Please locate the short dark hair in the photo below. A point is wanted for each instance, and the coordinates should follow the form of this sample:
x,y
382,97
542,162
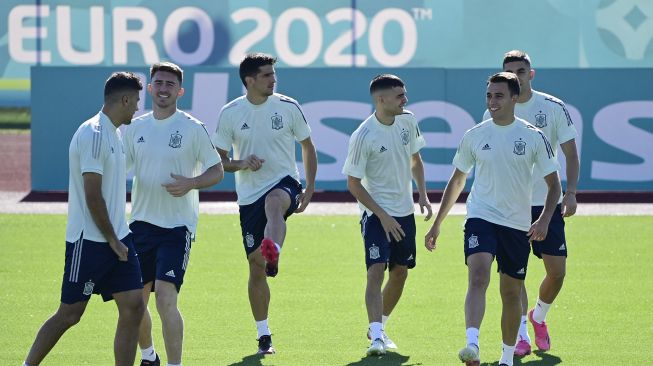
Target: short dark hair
x,y
515,56
121,81
249,66
167,67
385,81
509,78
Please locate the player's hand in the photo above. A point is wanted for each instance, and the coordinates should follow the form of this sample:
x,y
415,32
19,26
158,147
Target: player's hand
x,y
252,163
569,205
431,237
391,228
538,230
120,249
425,204
179,186
305,199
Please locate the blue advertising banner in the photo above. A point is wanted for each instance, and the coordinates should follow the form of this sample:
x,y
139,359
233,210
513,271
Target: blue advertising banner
x,y
611,109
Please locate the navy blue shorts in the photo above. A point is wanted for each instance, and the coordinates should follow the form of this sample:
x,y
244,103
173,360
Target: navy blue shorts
x,y
252,216
162,252
554,244
379,250
510,246
93,268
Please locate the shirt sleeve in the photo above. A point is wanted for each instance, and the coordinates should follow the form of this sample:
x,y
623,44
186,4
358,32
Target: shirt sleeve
x,y
223,136
300,126
545,161
206,153
564,125
417,140
92,151
464,159
357,154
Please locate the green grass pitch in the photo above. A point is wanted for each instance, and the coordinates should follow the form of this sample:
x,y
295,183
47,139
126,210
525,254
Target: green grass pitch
x,y
602,316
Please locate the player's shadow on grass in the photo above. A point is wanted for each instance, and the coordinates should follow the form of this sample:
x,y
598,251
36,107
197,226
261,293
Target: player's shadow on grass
x,y
538,359
251,360
389,359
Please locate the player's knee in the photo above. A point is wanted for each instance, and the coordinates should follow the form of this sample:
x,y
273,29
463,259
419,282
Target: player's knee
x,y
165,303
557,275
479,278
276,201
68,318
511,294
375,274
399,273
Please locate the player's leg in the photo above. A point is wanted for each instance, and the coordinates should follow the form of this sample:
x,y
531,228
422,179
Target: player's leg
x,y
523,346
513,251
51,331
172,322
145,244
374,305
510,289
130,313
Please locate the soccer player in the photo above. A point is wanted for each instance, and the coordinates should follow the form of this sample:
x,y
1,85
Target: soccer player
x,y
172,157
382,160
550,115
262,127
100,255
504,150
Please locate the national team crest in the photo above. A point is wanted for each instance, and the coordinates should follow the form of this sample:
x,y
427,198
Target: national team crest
x,y
175,140
374,252
277,122
472,241
520,148
88,288
249,240
405,136
540,120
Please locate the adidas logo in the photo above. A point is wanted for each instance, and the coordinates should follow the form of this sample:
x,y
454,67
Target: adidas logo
x,y
244,126
410,258
170,273
562,247
486,147
140,139
383,149
521,271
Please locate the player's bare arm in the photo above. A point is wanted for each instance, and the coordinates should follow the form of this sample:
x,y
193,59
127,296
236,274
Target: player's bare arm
x,y
182,185
569,205
98,209
390,225
451,192
417,169
230,165
540,227
309,158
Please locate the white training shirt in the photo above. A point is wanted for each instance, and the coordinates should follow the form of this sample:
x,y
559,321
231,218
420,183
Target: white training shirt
x,y
504,157
179,144
269,131
381,156
96,147
550,115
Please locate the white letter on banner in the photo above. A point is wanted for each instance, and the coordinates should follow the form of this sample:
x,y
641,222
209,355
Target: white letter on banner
x,y
459,121
95,54
335,53
17,33
408,43
143,36
328,140
171,35
262,29
283,38
611,125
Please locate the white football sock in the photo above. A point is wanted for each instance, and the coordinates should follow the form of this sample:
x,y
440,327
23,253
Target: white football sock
x,y
384,319
523,329
278,247
539,313
376,330
148,354
262,328
472,336
507,354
